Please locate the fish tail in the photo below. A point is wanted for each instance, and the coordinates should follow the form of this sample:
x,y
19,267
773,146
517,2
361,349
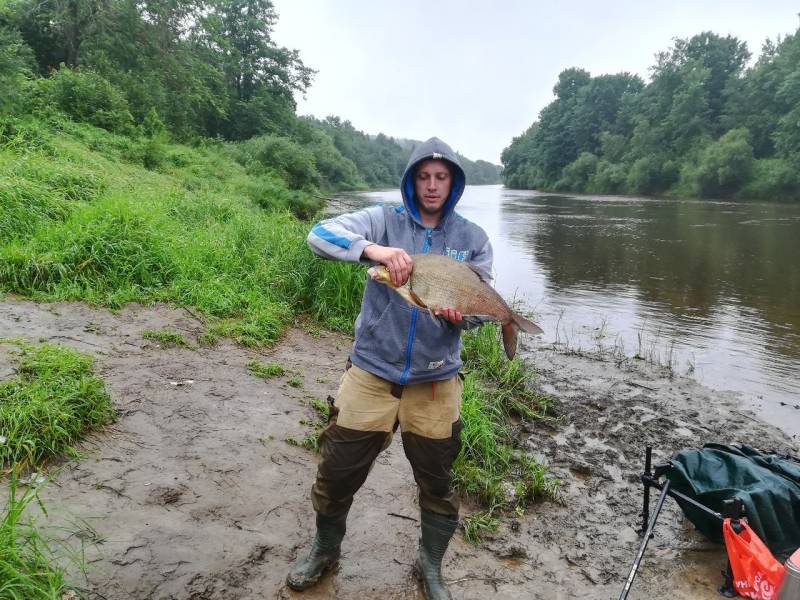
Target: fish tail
x,y
510,330
526,325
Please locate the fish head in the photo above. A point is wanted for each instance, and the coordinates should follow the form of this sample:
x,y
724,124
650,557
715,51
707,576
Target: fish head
x,y
380,274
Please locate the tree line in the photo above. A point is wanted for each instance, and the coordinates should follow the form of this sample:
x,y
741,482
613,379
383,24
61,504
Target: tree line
x,y
705,125
188,70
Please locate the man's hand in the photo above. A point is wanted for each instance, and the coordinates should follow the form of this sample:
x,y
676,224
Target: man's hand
x,y
450,314
396,260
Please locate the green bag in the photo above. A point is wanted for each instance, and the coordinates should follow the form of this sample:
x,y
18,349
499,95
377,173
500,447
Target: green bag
x,y
767,484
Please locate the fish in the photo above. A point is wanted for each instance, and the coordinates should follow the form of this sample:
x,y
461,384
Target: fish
x,y
438,282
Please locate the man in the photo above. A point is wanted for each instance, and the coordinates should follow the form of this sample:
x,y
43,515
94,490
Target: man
x,y
403,367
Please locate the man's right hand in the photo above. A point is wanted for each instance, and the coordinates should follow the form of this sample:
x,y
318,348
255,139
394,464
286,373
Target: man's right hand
x,y
396,260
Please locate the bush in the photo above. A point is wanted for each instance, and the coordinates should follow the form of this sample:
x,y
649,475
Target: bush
x,y
270,193
85,96
576,175
725,165
651,175
772,179
16,61
287,159
608,179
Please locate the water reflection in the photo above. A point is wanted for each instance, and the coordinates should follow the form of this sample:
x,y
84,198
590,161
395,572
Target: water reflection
x,y
713,287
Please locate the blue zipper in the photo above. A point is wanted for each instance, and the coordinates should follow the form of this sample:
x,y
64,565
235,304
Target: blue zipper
x,y
426,246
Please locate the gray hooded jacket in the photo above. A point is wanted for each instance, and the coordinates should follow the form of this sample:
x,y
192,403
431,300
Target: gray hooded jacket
x,y
393,339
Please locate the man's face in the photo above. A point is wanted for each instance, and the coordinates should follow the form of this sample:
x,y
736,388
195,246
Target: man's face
x,y
432,181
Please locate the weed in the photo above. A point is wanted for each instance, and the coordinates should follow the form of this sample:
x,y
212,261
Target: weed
x,y
295,382
165,338
207,340
478,525
495,391
266,370
316,423
29,571
54,400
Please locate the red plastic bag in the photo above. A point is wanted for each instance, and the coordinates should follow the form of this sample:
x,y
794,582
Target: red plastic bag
x,y
756,573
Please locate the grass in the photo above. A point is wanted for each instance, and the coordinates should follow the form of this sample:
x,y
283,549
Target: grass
x,y
479,524
165,338
266,370
28,570
106,230
316,423
497,392
53,401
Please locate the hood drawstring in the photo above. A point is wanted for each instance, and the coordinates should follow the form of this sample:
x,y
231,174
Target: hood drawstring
x,y
414,236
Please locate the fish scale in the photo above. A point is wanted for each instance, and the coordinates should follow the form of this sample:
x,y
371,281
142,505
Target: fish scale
x,y
438,281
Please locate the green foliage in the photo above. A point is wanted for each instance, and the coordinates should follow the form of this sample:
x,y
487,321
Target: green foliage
x,y
725,165
54,400
270,193
477,525
495,390
284,157
576,175
699,127
266,370
27,562
24,204
317,423
85,96
773,178
651,175
105,252
165,338
16,62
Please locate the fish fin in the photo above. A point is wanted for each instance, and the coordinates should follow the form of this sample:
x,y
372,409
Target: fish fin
x,y
417,299
482,275
526,325
406,293
510,338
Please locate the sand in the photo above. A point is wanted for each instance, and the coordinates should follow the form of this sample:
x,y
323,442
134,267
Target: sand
x,y
194,492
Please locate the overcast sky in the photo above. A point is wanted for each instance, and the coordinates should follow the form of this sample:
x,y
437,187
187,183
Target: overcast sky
x,y
477,74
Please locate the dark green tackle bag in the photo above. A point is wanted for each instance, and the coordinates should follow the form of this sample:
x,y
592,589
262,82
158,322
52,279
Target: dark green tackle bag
x,y
767,484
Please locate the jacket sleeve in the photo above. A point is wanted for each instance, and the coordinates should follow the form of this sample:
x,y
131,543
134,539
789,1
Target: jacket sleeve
x,y
345,237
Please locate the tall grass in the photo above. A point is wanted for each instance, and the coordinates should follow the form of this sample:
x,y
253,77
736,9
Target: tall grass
x,y
51,403
27,568
497,392
200,231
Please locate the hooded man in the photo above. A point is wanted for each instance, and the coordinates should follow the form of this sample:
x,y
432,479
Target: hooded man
x,y
404,366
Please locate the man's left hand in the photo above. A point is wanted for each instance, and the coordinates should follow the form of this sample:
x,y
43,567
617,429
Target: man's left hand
x,y
449,314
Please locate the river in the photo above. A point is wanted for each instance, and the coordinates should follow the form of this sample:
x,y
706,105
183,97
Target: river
x,y
710,289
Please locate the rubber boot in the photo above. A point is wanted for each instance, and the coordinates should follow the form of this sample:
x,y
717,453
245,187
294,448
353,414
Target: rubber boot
x,y
435,533
325,550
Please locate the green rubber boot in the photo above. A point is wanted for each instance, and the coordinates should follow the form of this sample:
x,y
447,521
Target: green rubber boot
x,y
435,533
325,550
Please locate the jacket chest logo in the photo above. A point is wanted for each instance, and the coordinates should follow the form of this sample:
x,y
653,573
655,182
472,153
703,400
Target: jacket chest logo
x,y
456,254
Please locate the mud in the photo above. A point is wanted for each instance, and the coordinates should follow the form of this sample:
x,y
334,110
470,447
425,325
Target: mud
x,y
195,494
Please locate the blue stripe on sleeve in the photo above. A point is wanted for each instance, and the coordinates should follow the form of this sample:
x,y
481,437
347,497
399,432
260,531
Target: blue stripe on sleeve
x,y
330,237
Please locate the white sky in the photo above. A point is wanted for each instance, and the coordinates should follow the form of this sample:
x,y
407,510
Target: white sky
x,y
477,74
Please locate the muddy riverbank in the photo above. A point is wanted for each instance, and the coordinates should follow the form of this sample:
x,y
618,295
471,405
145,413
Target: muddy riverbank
x,y
194,492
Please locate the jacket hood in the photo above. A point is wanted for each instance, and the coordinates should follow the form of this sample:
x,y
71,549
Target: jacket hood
x,y
436,149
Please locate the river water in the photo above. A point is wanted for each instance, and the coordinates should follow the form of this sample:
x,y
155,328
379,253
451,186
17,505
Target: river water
x,y
711,289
